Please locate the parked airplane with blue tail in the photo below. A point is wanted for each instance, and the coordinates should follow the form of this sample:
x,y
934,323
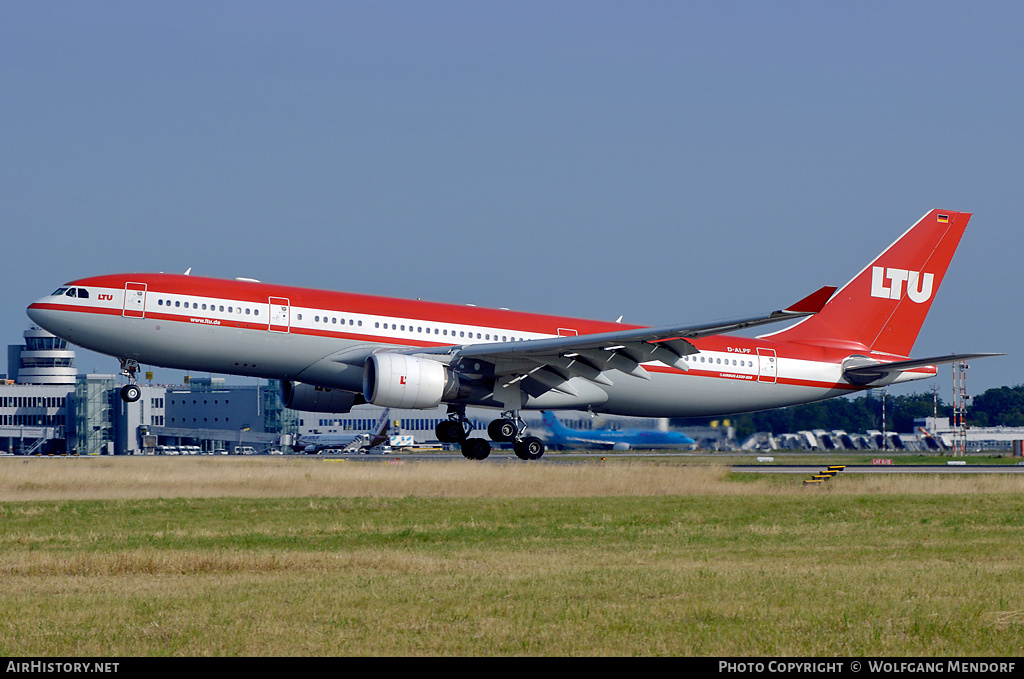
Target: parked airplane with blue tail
x,y
614,439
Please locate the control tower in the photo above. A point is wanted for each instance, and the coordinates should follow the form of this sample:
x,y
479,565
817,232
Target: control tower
x,y
44,359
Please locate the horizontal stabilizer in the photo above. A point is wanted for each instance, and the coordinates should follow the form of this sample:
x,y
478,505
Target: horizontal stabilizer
x,y
877,372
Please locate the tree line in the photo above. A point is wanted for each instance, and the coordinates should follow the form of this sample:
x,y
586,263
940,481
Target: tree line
x,y
1002,406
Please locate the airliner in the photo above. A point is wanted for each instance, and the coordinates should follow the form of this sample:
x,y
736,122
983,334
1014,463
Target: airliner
x,y
314,443
334,350
613,439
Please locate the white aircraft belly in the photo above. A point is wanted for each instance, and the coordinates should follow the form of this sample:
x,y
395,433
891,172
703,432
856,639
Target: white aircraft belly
x,y
687,395
245,351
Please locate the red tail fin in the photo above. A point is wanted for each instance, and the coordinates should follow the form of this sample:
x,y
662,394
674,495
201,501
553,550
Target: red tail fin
x,y
883,307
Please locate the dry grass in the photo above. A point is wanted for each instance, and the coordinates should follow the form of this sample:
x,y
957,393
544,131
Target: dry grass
x,y
124,478
281,557
143,478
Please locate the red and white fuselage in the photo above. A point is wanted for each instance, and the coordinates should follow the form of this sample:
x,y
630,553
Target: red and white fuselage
x,y
363,348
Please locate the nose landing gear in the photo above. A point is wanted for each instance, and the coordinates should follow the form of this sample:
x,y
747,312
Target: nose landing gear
x,y
130,393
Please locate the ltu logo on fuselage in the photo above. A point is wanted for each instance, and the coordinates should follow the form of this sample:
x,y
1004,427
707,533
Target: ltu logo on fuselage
x,y
919,285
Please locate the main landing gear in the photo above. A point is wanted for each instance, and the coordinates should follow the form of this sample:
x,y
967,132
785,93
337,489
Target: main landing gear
x,y
456,430
130,393
508,429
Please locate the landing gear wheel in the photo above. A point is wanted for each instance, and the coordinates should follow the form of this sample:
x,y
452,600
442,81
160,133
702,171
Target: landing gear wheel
x,y
450,431
476,449
502,431
530,448
130,393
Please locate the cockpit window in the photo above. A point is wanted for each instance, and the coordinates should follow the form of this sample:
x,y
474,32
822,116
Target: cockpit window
x,y
58,292
83,293
71,292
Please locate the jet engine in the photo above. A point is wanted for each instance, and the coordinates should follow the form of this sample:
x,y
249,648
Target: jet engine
x,y
299,396
401,381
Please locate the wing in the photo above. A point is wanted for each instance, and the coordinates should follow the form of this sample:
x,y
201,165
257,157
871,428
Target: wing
x,y
552,362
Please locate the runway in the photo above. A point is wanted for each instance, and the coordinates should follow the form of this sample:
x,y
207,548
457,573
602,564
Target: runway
x,y
580,457
586,457
882,469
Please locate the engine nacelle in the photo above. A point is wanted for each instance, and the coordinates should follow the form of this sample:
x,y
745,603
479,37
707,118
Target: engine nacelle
x,y
401,381
299,396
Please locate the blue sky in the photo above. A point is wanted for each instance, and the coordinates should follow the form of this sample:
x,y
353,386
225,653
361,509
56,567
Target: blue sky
x,y
664,161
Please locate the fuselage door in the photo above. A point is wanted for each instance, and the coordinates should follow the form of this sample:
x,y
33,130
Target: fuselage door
x,y
280,314
135,300
768,365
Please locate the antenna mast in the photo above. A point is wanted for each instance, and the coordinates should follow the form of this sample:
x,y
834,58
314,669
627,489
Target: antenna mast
x,y
960,399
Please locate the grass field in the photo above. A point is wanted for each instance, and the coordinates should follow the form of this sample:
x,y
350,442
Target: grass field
x,y
282,556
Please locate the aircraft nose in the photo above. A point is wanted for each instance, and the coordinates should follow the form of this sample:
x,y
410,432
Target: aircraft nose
x,y
37,314
42,316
